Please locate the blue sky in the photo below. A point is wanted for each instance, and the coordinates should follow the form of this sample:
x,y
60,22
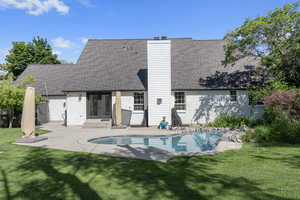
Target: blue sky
x,y
68,23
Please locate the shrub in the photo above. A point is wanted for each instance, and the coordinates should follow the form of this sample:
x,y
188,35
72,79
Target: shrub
x,y
234,122
270,115
12,97
285,100
285,131
260,134
280,132
278,128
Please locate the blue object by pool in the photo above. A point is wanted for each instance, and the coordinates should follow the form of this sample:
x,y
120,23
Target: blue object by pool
x,y
163,125
193,142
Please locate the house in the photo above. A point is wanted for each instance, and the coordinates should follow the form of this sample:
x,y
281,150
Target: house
x,y
146,78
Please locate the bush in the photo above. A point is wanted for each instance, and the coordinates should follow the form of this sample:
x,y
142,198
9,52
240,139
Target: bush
x,y
285,131
270,115
280,132
279,127
285,100
260,134
234,122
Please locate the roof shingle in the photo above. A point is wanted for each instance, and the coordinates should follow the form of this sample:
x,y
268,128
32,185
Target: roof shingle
x,y
122,65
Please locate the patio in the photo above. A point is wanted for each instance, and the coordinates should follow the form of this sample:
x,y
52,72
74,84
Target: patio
x,y
76,139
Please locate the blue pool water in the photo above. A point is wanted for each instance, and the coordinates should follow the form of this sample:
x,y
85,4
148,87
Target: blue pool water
x,y
192,142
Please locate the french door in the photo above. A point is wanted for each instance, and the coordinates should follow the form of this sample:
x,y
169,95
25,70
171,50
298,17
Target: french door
x,y
99,105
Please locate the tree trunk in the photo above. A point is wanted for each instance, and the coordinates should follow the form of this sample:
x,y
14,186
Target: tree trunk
x,y
11,120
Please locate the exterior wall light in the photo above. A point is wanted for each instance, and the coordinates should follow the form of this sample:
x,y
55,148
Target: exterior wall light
x,y
159,101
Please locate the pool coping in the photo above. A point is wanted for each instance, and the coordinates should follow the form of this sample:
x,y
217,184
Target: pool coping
x,y
155,136
76,139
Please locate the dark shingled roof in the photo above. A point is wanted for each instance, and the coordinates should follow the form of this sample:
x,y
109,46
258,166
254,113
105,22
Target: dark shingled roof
x,y
49,79
122,65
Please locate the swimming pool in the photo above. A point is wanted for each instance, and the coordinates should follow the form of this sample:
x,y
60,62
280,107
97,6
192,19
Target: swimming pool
x,y
191,142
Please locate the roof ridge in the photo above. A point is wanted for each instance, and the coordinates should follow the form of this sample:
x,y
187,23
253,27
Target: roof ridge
x,y
211,40
137,39
49,64
34,66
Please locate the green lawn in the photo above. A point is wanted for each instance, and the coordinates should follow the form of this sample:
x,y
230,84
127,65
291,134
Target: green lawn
x,y
266,173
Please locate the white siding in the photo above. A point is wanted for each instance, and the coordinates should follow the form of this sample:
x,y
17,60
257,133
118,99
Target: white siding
x,y
57,106
127,102
159,80
205,106
76,108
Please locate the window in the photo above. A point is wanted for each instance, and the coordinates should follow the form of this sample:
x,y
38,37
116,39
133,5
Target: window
x,y
138,101
179,101
233,96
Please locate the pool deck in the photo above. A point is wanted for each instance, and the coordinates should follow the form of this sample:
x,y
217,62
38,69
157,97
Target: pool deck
x,y
76,139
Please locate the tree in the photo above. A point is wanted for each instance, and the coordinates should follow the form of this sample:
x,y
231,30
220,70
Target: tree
x,y
2,72
285,100
66,62
274,38
22,54
12,96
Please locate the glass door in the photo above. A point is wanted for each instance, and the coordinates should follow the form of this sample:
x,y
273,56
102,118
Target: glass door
x,y
105,107
98,105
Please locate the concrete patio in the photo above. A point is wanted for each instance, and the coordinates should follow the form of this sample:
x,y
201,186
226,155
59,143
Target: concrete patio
x,y
76,139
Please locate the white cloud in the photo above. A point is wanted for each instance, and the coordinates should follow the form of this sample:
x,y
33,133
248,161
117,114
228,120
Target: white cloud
x,y
60,42
36,7
57,53
84,40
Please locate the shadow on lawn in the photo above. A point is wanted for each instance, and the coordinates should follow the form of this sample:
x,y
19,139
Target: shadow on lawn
x,y
4,180
293,161
284,157
180,178
56,182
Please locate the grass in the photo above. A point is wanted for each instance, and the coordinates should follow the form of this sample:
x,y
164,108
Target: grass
x,y
266,173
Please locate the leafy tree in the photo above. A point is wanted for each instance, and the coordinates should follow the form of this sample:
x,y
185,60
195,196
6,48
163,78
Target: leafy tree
x,y
274,38
22,54
2,72
258,93
285,100
12,96
66,62
2,75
